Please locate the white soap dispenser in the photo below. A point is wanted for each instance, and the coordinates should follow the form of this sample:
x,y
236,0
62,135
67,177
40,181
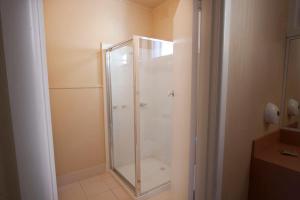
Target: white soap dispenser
x,y
293,108
272,114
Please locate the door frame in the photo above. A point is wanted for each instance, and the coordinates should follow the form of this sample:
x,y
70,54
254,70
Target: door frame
x,y
109,113
219,81
209,143
33,46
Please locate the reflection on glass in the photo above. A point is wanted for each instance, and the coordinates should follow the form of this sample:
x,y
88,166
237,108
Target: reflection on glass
x,y
292,93
148,158
156,97
121,76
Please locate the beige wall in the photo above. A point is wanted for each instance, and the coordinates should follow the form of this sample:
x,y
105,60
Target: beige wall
x,y
181,138
74,30
163,19
255,78
78,119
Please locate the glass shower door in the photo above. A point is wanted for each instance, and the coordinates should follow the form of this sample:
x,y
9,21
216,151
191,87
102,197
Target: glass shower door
x,y
122,139
141,95
155,89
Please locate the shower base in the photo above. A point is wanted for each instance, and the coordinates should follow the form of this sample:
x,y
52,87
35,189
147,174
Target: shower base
x,y
154,173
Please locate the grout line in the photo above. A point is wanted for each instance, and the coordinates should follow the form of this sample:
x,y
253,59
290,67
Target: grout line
x,y
114,194
110,189
85,194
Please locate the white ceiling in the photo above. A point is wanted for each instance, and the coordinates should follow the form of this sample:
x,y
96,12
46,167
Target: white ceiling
x,y
149,3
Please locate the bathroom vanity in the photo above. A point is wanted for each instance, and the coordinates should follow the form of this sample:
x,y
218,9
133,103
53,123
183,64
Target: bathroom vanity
x,y
275,160
275,166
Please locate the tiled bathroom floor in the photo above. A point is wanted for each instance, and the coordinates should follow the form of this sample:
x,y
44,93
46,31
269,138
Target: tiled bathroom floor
x,y
153,173
101,187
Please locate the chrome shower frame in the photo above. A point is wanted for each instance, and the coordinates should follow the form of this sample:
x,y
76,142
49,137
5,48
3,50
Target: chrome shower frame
x,y
136,189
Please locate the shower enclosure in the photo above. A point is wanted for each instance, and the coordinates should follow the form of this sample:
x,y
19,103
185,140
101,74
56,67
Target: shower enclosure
x,y
139,101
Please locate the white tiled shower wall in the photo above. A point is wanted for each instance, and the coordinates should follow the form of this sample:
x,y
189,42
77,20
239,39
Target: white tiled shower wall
x,y
155,82
156,117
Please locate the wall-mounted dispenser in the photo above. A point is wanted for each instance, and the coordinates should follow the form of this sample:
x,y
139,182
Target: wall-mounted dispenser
x,y
293,107
272,114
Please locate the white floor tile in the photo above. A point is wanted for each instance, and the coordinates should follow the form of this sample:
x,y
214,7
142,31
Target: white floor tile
x,y
121,194
71,192
111,182
162,196
153,173
94,186
105,187
104,196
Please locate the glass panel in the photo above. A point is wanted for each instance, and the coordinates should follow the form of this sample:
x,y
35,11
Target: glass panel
x,y
291,116
156,97
121,77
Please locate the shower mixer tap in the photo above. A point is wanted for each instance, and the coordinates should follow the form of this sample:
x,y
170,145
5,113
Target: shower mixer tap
x,y
114,107
142,105
171,93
